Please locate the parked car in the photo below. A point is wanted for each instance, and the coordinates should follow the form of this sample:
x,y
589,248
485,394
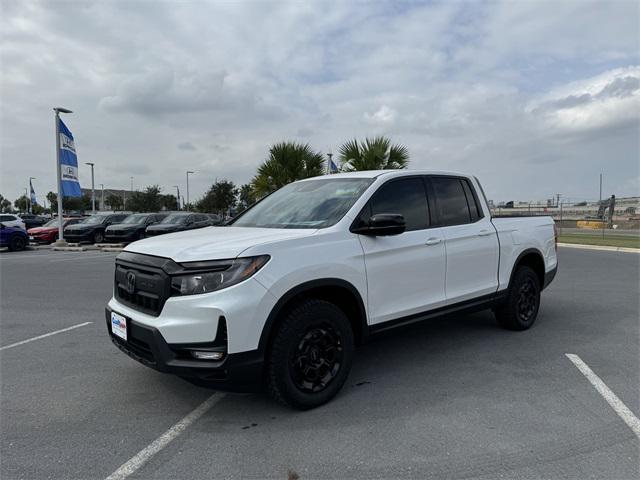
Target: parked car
x,y
48,233
91,229
215,218
133,227
31,221
12,220
15,238
178,222
281,295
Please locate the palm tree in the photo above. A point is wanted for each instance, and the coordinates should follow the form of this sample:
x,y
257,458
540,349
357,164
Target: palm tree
x,y
287,162
373,154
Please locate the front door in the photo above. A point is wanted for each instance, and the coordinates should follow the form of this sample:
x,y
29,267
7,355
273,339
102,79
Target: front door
x,y
405,272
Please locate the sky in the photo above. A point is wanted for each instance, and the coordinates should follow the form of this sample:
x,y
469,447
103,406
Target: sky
x,y
535,98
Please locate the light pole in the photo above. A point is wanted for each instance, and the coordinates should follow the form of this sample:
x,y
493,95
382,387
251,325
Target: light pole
x,y
131,184
26,200
188,172
177,196
93,190
29,204
102,196
59,110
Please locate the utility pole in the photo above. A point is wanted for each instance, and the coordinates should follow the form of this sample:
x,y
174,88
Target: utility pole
x,y
102,196
330,155
558,195
93,190
188,172
58,111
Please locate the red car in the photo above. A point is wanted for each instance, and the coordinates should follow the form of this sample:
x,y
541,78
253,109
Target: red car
x,y
48,233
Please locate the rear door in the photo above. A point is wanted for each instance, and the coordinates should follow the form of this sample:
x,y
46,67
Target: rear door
x,y
405,272
471,241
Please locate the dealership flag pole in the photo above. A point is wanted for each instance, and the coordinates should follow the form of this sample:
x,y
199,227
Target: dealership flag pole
x,y
60,241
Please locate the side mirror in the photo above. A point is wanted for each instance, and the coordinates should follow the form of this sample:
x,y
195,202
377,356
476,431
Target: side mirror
x,y
2,226
382,224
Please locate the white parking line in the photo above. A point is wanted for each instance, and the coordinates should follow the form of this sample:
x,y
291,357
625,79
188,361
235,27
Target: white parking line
x,y
612,399
144,455
44,336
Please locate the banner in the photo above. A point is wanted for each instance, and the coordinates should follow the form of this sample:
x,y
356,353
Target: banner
x,y
32,194
68,164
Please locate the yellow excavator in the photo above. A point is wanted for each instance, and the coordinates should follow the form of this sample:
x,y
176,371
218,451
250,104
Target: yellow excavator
x,y
604,217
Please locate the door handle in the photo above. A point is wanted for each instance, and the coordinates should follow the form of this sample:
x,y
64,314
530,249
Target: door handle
x,y
433,241
484,233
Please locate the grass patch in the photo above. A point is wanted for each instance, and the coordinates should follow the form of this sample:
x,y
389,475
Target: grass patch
x,y
610,239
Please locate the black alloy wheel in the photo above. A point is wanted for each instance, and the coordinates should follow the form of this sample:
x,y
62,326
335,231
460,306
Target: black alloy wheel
x,y
317,359
520,309
310,354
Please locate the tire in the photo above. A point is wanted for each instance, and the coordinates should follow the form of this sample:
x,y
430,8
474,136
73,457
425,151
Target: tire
x,y
98,237
17,243
310,355
520,309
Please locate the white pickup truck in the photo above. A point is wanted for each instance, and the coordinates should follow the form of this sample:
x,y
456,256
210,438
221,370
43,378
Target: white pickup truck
x,y
280,297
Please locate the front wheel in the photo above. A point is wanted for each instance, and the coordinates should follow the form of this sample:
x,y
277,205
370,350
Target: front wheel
x,y
98,237
520,309
17,243
310,355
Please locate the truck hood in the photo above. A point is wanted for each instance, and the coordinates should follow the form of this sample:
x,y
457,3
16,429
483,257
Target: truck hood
x,y
212,243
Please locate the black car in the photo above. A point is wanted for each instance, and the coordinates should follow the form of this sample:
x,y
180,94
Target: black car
x,y
32,221
91,229
132,228
178,222
215,218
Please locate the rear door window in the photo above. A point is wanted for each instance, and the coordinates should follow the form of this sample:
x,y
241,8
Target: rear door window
x,y
451,201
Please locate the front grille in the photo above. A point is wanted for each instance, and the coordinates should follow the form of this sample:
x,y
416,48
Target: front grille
x,y
152,287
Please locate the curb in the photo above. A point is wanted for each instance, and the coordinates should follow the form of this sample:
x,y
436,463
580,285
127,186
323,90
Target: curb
x,y
111,249
69,249
600,247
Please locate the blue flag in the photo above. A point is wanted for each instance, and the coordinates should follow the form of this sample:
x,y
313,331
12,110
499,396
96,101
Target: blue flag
x,y
68,164
33,194
333,168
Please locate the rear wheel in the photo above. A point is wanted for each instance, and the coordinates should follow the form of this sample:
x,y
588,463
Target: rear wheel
x,y
310,356
520,309
98,237
17,243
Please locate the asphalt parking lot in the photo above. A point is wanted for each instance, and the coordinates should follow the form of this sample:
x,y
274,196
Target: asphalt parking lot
x,y
454,398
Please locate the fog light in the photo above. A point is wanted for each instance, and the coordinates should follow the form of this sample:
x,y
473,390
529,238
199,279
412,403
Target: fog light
x,y
202,355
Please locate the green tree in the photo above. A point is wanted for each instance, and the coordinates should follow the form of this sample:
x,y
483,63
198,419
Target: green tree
x,y
246,196
5,206
168,202
220,197
287,162
145,201
114,201
21,203
373,154
53,201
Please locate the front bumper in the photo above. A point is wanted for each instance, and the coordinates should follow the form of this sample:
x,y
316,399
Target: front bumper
x,y
240,372
75,237
42,238
120,237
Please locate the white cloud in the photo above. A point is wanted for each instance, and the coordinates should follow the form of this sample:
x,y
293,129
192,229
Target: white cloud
x,y
383,116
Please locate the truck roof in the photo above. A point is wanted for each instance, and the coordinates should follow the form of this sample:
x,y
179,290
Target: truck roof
x,y
378,173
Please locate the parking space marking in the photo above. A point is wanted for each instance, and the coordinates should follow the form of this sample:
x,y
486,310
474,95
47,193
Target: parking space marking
x,y
28,340
612,399
144,455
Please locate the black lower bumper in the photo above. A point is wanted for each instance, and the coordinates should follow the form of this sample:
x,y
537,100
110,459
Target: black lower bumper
x,y
78,237
549,276
238,372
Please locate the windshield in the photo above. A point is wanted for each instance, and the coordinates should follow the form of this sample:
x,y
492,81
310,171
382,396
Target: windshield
x,y
137,218
95,219
176,218
51,223
308,204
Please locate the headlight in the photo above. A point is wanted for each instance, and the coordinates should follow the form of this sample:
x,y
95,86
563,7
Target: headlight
x,y
212,276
